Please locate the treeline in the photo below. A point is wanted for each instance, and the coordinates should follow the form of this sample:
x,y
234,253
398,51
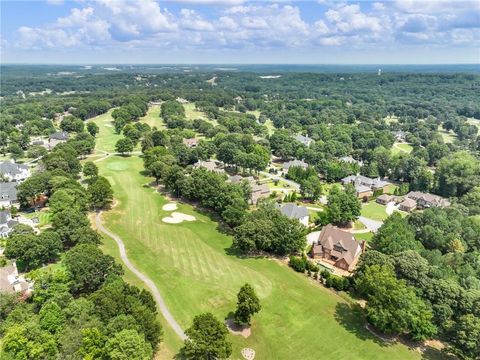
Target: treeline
x,y
80,307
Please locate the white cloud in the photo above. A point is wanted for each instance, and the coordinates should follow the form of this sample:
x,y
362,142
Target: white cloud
x,y
191,20
77,17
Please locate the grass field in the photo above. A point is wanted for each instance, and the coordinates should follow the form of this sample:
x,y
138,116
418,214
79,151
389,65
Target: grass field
x,y
153,118
374,211
194,269
106,137
399,148
448,136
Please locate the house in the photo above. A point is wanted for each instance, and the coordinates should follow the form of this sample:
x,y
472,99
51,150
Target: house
x,y
11,281
364,186
236,179
400,135
293,163
259,191
407,205
350,160
8,194
57,138
14,172
292,211
210,165
426,200
338,248
191,143
6,223
305,140
384,199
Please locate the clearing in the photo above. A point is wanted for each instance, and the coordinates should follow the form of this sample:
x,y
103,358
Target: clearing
x,y
398,148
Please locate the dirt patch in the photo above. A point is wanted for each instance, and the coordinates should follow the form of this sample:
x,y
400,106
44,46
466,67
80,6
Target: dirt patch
x,y
177,218
248,353
244,331
169,207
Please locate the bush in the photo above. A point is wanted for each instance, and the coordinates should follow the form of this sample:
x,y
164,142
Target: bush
x,y
339,283
325,274
297,263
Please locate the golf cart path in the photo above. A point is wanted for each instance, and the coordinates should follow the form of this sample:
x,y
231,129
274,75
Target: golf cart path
x,y
153,288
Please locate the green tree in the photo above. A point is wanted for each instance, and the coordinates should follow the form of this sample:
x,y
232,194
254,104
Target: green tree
x,y
123,146
29,342
67,221
343,206
90,169
89,267
100,193
128,345
207,339
93,344
465,337
92,128
52,318
248,305
456,174
396,235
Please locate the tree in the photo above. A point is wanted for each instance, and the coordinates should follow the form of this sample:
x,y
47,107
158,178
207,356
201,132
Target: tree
x,y
456,174
29,342
32,251
207,339
67,221
128,345
93,343
52,318
343,206
124,145
395,235
100,193
89,267
465,337
90,169
472,201
92,128
393,307
248,305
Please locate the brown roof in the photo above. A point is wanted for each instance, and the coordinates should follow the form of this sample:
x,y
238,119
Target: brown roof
x,y
342,244
432,199
259,191
408,203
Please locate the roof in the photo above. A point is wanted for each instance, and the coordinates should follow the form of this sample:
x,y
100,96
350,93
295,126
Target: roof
x,y
294,163
385,197
349,159
209,165
7,276
293,211
363,180
191,141
59,135
235,179
259,191
408,203
341,244
428,198
4,216
303,139
8,167
8,191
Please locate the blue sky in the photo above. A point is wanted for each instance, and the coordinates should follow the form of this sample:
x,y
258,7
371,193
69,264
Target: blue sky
x,y
236,31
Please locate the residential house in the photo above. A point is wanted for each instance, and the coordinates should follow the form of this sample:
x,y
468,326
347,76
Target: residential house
x,y
57,138
293,163
292,211
305,140
338,248
8,194
400,135
426,200
235,179
11,282
6,223
365,186
407,205
350,160
210,165
14,172
384,199
191,143
259,191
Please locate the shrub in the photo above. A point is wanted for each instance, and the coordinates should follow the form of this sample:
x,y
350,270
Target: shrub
x,y
297,263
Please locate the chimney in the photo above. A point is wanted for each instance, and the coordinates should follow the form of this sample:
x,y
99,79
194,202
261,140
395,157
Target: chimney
x,y
363,246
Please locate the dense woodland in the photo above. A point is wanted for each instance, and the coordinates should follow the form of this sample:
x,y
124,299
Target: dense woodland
x,y
421,276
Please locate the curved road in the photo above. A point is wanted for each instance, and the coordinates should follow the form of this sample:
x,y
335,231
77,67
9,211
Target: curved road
x,y
156,294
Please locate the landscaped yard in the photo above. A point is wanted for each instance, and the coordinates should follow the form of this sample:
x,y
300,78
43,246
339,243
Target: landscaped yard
x,y
374,211
399,148
192,265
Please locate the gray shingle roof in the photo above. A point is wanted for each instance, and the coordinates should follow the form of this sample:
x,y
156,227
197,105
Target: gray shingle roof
x,y
293,211
295,163
59,135
8,191
7,167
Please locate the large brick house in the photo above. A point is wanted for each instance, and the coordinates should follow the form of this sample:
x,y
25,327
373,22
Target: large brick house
x,y
338,248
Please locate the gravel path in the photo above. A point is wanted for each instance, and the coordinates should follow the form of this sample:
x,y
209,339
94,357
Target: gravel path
x,y
156,294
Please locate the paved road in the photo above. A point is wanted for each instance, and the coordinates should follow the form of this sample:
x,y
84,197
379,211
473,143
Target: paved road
x,y
371,225
156,294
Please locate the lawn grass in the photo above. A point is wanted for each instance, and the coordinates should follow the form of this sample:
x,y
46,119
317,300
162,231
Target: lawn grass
x,y
448,136
399,148
153,118
374,211
195,270
364,236
106,137
358,225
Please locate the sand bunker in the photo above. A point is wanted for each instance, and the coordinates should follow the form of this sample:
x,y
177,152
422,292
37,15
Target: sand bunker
x,y
244,331
169,207
177,218
248,353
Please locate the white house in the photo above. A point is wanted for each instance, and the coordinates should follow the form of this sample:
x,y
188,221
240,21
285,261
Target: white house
x,y
6,223
11,171
8,194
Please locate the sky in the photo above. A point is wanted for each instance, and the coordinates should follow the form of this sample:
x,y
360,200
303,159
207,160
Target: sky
x,y
236,31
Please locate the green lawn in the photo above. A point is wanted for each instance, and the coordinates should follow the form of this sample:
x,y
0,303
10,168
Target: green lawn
x,y
194,269
106,137
399,148
44,217
364,236
374,211
153,118
448,136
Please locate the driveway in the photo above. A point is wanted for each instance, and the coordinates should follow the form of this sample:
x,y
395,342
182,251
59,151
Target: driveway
x,y
153,288
371,225
293,184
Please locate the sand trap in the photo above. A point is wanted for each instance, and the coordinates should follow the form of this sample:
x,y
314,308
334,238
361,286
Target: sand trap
x,y
244,331
248,353
178,217
169,207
